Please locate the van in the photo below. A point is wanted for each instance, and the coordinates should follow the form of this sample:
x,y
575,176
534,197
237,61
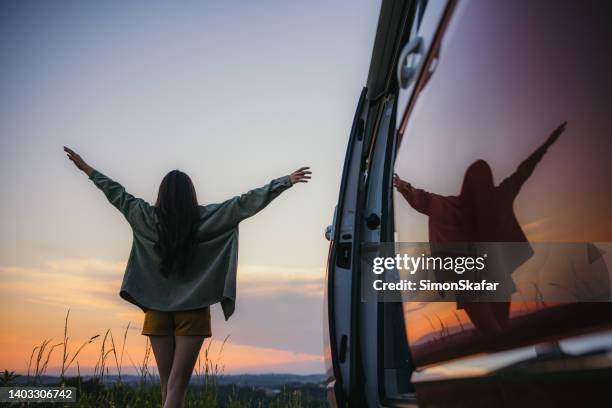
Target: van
x,y
452,83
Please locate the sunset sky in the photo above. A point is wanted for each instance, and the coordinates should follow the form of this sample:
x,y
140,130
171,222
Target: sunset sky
x,y
234,94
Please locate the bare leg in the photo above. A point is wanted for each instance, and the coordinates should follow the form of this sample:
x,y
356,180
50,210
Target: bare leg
x,y
501,311
187,349
163,349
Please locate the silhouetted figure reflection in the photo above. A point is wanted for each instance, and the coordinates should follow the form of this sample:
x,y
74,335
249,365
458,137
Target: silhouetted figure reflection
x,y
482,212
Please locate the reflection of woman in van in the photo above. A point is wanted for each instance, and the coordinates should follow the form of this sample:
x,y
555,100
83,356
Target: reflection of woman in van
x,y
183,260
482,212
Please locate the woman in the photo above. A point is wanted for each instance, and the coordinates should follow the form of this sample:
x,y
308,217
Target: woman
x,y
482,213
183,259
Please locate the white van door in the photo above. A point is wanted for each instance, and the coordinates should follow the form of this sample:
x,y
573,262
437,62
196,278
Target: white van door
x,y
342,284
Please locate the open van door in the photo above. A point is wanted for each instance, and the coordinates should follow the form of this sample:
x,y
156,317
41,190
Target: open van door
x,y
342,282
366,353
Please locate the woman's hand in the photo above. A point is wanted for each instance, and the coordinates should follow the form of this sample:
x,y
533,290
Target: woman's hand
x,y
397,181
555,135
301,175
78,161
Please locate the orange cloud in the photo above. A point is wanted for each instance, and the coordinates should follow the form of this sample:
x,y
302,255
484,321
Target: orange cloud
x,y
259,280
34,301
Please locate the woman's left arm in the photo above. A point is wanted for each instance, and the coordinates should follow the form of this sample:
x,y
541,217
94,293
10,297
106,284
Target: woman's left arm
x,y
131,207
515,181
78,161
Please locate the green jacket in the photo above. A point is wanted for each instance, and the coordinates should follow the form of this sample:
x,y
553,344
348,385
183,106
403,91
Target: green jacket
x,y
211,276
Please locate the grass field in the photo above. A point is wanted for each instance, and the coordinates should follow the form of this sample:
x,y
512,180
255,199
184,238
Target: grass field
x,y
107,387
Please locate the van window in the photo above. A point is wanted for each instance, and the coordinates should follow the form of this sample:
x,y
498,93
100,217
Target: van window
x,y
508,75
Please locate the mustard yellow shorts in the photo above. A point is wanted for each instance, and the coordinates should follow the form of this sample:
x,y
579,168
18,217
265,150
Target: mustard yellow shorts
x,y
184,323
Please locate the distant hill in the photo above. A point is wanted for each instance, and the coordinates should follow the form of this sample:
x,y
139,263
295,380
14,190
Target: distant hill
x,y
267,380
255,380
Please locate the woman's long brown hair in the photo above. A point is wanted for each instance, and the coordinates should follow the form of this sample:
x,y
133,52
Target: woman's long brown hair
x,y
177,212
476,196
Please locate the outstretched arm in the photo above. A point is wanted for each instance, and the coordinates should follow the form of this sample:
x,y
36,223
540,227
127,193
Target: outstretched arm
x,y
418,199
253,201
230,213
131,207
515,181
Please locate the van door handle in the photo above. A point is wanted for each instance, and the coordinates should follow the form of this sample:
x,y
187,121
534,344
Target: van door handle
x,y
343,348
372,221
406,71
